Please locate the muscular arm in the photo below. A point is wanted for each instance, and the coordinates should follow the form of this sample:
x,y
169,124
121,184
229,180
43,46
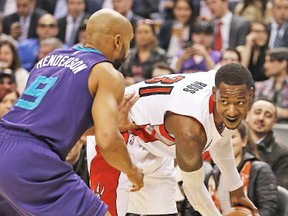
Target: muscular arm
x,y
190,141
108,87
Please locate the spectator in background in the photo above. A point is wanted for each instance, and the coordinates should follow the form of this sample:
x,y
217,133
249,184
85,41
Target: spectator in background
x,y
29,49
198,56
7,82
69,25
278,27
276,87
10,59
253,51
144,55
230,55
48,45
255,10
58,8
22,24
259,182
230,30
124,7
7,100
263,144
173,33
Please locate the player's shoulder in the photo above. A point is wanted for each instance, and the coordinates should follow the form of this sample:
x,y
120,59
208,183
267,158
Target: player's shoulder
x,y
106,70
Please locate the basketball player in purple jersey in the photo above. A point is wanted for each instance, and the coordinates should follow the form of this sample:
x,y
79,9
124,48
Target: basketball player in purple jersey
x,y
67,92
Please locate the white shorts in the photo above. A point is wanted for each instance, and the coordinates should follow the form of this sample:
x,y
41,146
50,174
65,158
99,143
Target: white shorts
x,y
158,196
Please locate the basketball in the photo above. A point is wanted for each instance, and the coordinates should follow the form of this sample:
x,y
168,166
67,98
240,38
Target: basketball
x,y
238,211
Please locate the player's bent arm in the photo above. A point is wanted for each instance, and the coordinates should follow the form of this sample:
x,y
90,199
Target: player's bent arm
x,y
108,93
190,141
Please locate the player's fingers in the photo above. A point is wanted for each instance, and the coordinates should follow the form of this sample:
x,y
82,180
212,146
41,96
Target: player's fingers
x,y
136,188
126,99
134,99
129,101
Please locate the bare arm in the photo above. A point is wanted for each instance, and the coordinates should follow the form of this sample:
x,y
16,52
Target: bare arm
x,y
108,87
190,141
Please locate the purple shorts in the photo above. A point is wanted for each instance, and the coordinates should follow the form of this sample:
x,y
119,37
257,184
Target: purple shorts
x,y
35,181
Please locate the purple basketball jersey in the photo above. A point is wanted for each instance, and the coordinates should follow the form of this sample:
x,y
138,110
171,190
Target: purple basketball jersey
x,y
56,104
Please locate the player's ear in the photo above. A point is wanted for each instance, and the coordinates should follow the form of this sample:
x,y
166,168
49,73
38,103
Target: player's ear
x,y
117,41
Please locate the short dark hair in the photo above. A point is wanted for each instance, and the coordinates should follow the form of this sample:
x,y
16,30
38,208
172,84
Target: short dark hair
x,y
278,54
234,74
203,27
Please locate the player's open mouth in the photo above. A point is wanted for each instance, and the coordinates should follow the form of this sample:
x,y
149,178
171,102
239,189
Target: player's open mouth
x,y
232,119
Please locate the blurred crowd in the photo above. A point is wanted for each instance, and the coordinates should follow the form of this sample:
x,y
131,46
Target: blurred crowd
x,y
173,36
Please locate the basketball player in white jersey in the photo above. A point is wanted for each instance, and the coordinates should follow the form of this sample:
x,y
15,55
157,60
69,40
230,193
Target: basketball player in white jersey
x,y
179,116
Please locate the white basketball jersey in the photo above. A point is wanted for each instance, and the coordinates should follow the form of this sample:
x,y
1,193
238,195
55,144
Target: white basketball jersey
x,y
183,94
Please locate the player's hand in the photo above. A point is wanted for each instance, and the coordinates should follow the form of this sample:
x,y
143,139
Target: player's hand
x,y
136,178
124,123
238,197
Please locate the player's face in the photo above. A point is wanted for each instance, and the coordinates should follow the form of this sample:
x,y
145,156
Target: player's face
x,y
232,103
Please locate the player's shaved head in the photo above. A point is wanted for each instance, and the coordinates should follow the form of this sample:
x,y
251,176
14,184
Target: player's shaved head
x,y
107,21
108,31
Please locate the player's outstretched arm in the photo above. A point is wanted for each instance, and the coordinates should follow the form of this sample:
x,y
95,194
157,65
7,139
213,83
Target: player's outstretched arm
x,y
107,84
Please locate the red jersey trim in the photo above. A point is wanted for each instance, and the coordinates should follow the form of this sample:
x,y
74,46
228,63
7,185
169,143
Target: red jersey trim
x,y
211,105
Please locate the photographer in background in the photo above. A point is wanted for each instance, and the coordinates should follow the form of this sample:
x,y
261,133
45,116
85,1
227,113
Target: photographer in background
x,y
198,55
